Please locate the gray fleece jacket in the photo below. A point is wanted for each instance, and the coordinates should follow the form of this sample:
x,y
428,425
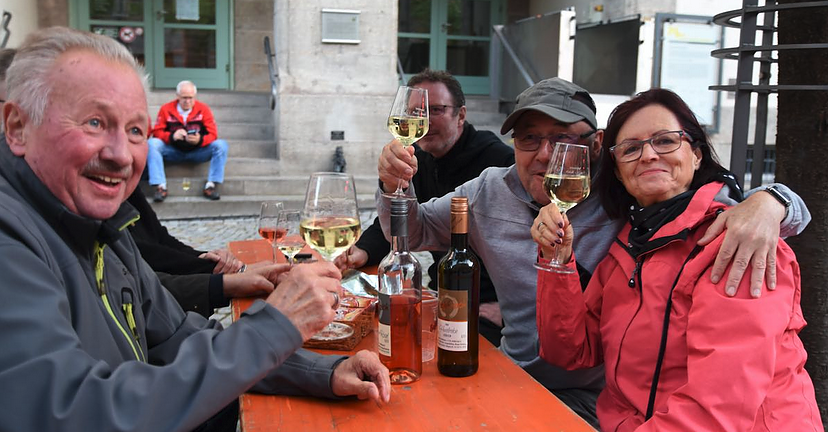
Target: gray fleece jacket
x,y
501,215
91,341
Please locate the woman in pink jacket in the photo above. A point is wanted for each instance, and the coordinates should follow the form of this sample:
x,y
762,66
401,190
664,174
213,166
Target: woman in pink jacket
x,y
679,353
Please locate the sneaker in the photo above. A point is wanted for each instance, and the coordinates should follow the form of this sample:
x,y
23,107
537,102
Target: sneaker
x,y
212,193
160,195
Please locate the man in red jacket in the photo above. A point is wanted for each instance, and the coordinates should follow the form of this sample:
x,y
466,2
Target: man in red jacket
x,y
185,131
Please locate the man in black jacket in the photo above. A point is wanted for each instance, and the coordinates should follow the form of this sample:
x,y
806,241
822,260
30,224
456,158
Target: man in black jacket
x,y
200,281
452,153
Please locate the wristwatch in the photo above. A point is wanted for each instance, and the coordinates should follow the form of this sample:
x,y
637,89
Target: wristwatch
x,y
779,196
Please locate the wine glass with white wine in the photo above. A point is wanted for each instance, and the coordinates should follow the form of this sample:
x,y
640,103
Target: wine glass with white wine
x,y
408,122
290,245
566,183
330,221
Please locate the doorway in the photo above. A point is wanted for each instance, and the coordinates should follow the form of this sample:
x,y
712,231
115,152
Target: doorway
x,y
175,39
454,35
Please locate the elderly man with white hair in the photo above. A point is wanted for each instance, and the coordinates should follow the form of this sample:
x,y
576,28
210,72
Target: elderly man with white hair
x,y
91,341
185,131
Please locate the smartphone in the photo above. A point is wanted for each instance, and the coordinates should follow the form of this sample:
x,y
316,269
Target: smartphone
x,y
192,132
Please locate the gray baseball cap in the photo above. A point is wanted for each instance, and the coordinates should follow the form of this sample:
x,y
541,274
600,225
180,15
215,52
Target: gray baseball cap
x,y
555,98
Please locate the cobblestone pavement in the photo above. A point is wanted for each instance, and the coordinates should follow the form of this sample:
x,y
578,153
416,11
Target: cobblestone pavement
x,y
215,233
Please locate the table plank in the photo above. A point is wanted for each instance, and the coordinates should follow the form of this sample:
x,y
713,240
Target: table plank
x,y
499,397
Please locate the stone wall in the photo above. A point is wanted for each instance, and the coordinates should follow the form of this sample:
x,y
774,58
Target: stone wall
x,y
253,20
334,87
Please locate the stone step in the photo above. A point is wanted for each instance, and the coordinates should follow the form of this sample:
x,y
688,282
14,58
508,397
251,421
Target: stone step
x,y
229,205
254,185
235,166
246,131
251,149
231,114
481,103
215,98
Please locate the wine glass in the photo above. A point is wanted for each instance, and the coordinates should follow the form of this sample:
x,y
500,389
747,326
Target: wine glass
x,y
408,122
567,183
269,223
330,219
291,243
185,184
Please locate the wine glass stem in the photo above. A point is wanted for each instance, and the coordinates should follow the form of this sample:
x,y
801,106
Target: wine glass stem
x,y
273,249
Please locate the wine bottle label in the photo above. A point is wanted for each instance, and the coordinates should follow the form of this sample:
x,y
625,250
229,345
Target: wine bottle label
x,y
453,320
384,327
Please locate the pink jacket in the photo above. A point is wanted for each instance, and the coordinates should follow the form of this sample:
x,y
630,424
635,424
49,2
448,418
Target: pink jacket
x,y
730,364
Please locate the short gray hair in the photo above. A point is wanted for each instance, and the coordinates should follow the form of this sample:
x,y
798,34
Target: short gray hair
x,y
182,84
27,80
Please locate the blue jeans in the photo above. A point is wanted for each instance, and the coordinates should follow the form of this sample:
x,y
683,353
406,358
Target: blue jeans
x,y
215,152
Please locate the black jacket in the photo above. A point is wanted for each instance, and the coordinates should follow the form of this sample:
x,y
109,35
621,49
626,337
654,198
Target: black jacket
x,y
189,278
474,151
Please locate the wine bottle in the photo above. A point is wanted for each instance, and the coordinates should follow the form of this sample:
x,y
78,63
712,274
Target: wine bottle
x,y
399,331
458,283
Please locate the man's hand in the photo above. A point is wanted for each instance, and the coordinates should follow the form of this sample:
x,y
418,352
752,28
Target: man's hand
x,y
751,234
193,138
363,376
354,257
306,296
491,311
226,262
179,135
256,280
396,162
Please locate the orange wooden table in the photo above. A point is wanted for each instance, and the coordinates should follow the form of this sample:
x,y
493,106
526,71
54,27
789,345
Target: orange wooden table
x,y
499,397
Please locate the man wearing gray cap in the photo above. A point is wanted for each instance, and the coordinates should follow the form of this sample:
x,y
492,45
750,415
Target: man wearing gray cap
x,y
505,201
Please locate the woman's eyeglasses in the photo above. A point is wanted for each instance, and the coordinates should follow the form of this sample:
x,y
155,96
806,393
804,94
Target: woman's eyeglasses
x,y
662,143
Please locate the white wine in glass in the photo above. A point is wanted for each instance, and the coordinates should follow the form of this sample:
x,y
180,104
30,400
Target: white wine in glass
x,y
291,243
330,218
566,183
408,122
186,183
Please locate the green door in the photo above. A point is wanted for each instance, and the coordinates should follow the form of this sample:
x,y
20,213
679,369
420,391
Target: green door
x,y
454,35
174,39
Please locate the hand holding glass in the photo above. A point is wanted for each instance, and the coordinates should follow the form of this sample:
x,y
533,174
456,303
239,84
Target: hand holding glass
x,y
567,183
408,122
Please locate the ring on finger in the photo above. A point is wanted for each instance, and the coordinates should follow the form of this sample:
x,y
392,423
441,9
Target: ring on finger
x,y
336,301
540,225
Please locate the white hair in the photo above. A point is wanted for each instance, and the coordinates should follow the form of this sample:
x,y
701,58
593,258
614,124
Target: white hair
x,y
182,84
27,80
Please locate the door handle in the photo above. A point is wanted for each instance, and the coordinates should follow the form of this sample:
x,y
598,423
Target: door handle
x,y
160,14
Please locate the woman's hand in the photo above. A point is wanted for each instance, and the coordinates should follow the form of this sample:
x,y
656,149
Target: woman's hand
x,y
552,231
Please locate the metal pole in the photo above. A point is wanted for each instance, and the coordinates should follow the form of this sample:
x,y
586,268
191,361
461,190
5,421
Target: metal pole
x,y
760,135
741,109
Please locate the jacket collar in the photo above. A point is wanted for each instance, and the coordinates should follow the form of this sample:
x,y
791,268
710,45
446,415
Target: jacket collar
x,y
700,209
77,230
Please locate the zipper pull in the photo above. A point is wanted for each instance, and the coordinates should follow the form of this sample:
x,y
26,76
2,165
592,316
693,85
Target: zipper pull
x,y
631,282
126,305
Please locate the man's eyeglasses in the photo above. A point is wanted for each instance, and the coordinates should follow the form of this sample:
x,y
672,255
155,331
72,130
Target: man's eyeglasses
x,y
439,110
662,143
532,142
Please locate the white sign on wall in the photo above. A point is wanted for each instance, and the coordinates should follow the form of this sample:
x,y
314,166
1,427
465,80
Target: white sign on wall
x,y
687,67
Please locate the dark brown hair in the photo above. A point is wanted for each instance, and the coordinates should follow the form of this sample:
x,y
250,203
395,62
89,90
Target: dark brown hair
x,y
439,76
614,197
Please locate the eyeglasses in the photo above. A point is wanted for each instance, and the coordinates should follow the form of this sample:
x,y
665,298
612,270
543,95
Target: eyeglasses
x,y
532,142
662,143
439,110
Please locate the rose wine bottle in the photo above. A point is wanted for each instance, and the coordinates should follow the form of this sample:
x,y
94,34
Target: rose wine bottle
x,y
399,332
458,283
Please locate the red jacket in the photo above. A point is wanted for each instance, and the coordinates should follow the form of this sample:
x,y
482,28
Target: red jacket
x,y
731,364
200,119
